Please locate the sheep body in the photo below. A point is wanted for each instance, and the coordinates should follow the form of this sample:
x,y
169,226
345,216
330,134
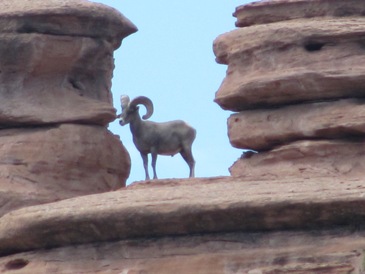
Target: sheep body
x,y
168,138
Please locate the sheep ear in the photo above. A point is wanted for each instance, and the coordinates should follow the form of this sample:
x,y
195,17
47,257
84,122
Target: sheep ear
x,y
124,101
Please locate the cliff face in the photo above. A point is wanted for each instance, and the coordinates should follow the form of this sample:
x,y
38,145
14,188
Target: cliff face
x,y
295,80
55,101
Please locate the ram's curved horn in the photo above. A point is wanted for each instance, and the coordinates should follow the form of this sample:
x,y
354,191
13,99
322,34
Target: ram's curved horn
x,y
124,101
143,101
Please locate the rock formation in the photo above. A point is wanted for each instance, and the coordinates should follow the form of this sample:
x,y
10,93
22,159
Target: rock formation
x,y
55,101
296,207
206,226
295,75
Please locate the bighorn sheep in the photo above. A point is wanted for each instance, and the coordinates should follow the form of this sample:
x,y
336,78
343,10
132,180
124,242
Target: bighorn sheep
x,y
167,138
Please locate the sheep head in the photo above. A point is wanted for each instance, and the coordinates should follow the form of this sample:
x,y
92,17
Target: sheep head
x,y
130,108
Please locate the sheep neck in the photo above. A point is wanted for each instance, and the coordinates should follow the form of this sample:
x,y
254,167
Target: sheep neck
x,y
136,124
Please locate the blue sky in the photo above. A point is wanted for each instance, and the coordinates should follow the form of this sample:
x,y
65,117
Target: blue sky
x,y
170,60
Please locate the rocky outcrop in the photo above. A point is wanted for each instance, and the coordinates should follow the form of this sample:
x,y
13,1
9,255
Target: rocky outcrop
x,y
308,159
57,61
295,75
291,62
211,225
66,18
55,101
52,163
54,80
297,206
264,129
263,12
291,252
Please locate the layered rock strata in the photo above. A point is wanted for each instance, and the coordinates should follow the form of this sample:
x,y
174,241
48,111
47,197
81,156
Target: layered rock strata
x,y
302,224
217,225
55,101
263,12
295,76
57,61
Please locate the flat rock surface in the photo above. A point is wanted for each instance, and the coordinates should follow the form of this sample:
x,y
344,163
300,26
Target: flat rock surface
x,y
263,12
185,207
265,129
306,60
46,164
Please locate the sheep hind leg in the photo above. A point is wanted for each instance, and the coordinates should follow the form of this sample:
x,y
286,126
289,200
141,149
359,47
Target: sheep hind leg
x,y
154,160
145,165
189,159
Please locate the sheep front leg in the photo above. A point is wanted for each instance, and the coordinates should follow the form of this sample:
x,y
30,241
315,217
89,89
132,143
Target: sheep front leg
x,y
145,164
154,160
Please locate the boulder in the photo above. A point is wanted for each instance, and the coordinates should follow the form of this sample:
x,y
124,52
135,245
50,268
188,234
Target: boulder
x,y
46,164
291,62
264,129
57,61
309,159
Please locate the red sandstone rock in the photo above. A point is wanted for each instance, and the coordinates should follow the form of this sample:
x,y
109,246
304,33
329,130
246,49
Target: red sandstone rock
x,y
322,252
291,71
212,205
308,159
65,18
291,62
266,128
277,68
305,198
55,78
168,227
54,163
57,61
263,12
